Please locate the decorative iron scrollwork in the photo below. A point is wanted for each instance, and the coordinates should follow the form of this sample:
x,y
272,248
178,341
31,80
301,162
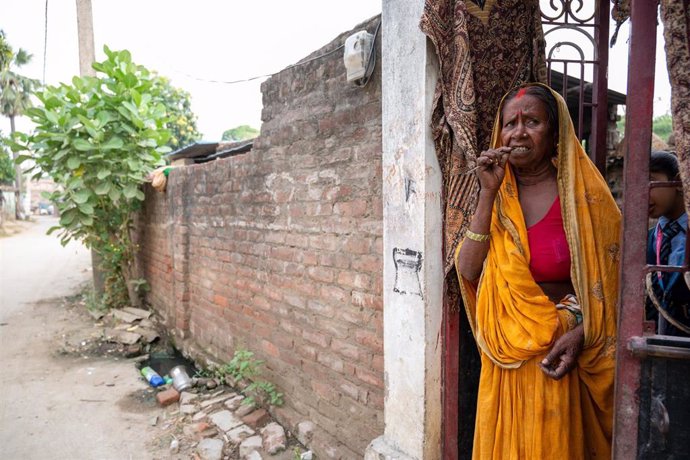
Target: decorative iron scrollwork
x,y
567,13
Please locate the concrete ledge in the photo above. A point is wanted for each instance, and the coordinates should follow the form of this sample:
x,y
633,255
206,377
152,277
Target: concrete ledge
x,y
379,449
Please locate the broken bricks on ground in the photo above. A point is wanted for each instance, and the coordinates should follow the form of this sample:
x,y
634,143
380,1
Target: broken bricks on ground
x,y
220,424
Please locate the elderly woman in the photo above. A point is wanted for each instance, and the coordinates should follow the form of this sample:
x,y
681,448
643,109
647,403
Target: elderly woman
x,y
538,271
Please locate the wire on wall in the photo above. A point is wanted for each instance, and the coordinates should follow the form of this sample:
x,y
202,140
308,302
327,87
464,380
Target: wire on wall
x,y
298,64
361,82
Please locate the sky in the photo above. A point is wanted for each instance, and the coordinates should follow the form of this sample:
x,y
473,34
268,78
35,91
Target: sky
x,y
190,42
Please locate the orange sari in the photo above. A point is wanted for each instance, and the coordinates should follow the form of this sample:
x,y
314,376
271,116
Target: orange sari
x,y
521,412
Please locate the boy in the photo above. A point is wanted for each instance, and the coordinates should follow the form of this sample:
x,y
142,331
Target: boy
x,y
666,245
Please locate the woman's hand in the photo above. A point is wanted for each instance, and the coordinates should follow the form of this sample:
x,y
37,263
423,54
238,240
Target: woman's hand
x,y
492,168
563,356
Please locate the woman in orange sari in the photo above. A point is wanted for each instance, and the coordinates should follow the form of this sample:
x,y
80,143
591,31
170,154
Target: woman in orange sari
x,y
538,271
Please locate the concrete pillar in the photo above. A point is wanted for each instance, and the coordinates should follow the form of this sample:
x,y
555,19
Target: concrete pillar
x,y
413,265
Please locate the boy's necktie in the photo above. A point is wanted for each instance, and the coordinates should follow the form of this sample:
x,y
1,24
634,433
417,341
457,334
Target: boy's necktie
x,y
669,231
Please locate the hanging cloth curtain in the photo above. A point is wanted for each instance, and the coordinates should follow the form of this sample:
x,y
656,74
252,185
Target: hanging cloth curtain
x,y
484,48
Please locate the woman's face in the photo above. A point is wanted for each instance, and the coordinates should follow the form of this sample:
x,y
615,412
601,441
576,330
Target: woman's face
x,y
526,129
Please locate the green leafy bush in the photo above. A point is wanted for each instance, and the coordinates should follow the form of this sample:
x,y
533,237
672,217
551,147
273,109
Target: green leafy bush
x,y
99,138
240,133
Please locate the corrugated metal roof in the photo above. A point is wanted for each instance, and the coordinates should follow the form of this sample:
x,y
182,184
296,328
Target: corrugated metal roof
x,y
198,149
614,97
229,150
201,152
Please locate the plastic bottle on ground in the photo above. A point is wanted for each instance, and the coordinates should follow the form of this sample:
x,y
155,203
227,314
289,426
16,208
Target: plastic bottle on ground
x,y
152,377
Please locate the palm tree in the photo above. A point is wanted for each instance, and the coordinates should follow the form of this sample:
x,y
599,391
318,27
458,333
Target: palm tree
x,y
15,97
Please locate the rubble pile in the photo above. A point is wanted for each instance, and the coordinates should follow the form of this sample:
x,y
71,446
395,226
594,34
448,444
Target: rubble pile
x,y
209,420
128,332
217,423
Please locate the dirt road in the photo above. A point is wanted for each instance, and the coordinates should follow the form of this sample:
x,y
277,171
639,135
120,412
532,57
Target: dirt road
x,y
51,405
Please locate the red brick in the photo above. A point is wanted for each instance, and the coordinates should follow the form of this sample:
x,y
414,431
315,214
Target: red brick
x,y
257,419
330,360
295,300
352,315
270,348
167,397
350,389
281,253
369,301
375,379
377,363
317,209
335,260
378,246
290,328
274,237
221,301
198,430
369,339
345,349
354,280
261,302
334,294
368,263
321,274
326,391
321,308
283,341
325,242
355,208
310,258
332,328
304,288
299,241
307,351
357,245
336,193
316,338
375,400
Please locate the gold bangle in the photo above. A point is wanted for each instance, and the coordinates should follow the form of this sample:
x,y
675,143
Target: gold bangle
x,y
479,237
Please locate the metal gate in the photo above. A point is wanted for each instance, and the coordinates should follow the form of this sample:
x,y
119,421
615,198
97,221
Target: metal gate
x,y
652,397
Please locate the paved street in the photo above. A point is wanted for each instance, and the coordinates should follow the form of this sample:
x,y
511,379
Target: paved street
x,y
52,405
34,266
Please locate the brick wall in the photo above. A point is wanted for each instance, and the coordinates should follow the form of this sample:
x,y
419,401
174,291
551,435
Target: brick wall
x,y
280,251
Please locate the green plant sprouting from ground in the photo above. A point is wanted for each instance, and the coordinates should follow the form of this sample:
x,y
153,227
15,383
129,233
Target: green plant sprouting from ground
x,y
243,367
99,138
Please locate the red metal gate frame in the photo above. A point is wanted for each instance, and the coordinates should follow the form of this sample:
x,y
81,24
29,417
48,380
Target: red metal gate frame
x,y
638,129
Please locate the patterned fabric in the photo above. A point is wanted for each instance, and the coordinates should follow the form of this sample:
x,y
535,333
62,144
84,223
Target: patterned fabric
x,y
484,48
675,15
620,13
